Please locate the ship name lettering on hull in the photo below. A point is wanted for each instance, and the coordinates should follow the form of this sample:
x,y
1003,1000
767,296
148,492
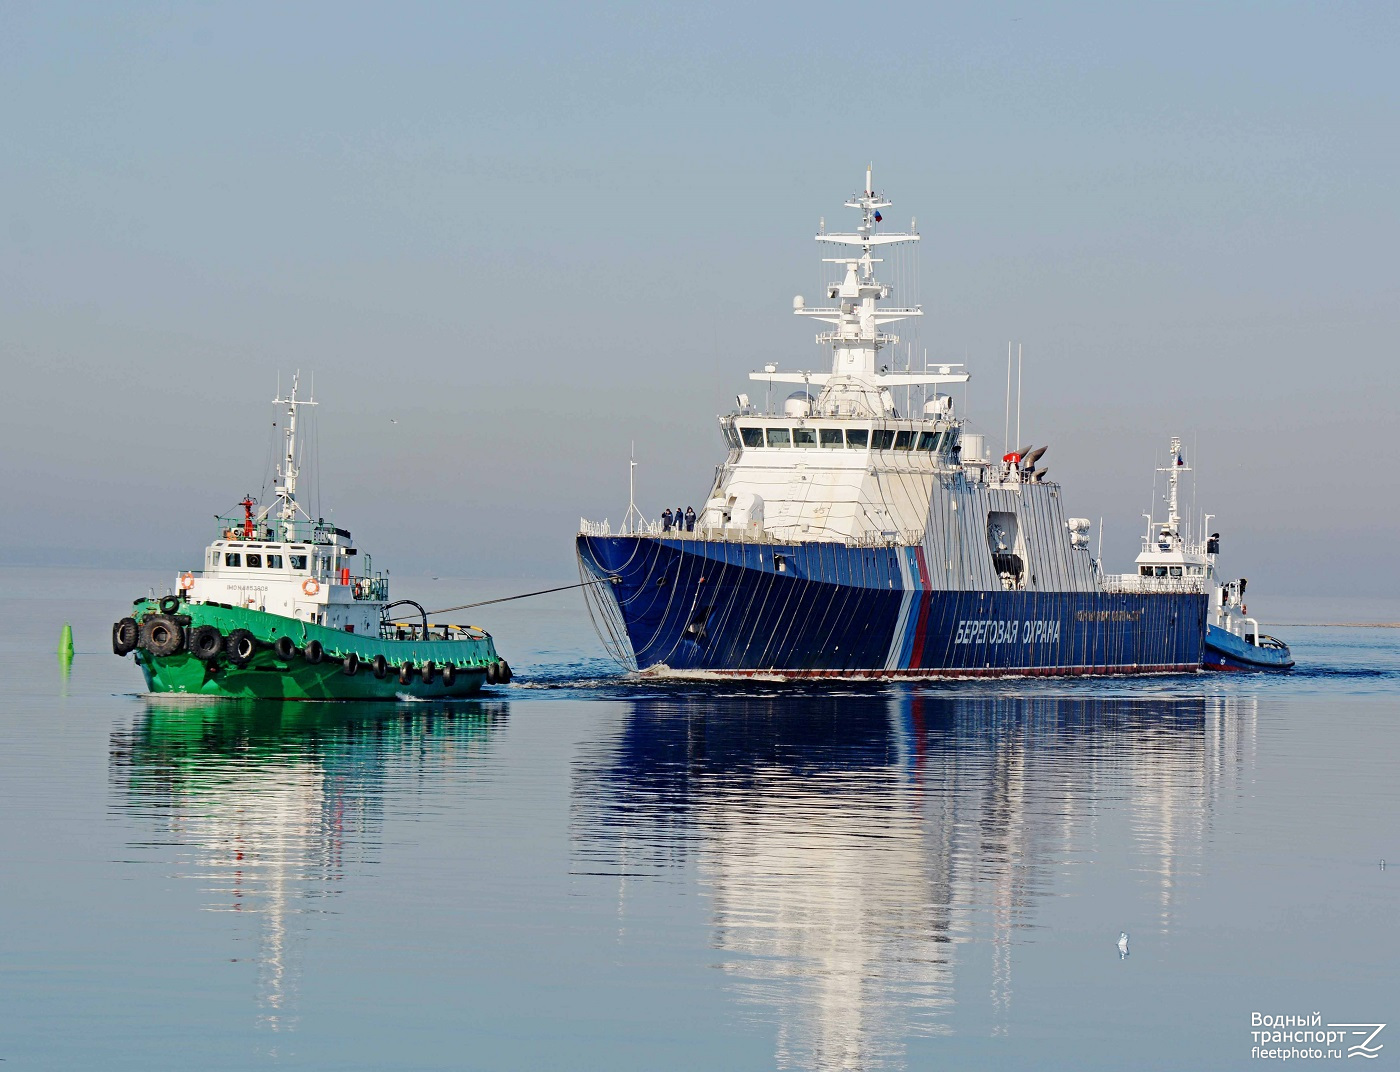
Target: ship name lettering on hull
x,y
992,631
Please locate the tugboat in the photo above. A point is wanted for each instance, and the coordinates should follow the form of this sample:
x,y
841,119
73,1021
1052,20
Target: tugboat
x,y
1172,561
282,609
843,537
1233,639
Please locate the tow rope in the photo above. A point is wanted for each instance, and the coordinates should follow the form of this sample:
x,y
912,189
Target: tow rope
x,y
525,595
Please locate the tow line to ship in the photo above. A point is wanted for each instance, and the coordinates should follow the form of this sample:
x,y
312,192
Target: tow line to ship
x,y
527,595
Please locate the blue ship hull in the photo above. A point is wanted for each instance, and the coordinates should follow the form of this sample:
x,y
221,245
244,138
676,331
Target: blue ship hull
x,y
1225,651
825,609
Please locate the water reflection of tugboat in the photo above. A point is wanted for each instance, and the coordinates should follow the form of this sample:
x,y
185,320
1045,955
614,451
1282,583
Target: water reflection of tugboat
x,y
853,847
286,607
277,801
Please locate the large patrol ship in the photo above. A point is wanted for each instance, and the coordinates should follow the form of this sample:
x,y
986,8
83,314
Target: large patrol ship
x,y
845,538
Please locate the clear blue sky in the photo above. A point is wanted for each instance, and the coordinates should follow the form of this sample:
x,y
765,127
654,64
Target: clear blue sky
x,y
532,234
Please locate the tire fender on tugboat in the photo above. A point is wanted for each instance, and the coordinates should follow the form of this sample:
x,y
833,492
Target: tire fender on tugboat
x,y
242,646
162,636
125,635
206,643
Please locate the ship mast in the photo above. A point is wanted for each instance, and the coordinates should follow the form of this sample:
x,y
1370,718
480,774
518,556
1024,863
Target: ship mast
x,y
288,470
855,386
1174,470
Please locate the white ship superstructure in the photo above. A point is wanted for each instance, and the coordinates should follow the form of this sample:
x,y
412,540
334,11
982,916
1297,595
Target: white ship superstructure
x,y
844,536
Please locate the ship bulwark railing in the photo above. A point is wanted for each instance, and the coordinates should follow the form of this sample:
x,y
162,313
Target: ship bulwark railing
x,y
739,534
1132,583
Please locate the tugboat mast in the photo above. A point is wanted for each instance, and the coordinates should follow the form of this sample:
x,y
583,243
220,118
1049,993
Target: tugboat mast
x,y
288,469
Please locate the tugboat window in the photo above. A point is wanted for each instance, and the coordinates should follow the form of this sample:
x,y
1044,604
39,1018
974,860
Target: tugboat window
x,y
274,561
1176,571
1161,571
804,437
778,437
254,562
882,439
904,440
831,437
859,438
298,562
233,558
753,437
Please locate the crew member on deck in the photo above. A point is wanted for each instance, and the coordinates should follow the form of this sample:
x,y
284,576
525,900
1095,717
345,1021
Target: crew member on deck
x,y
666,520
690,519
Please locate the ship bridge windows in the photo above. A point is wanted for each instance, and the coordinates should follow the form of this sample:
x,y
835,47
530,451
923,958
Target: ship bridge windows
x,y
779,437
753,437
904,440
804,437
1174,571
830,437
858,438
274,561
233,558
254,561
731,434
298,562
882,438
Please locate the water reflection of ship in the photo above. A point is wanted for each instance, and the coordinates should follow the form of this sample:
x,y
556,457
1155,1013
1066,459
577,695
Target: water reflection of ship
x,y
850,845
276,800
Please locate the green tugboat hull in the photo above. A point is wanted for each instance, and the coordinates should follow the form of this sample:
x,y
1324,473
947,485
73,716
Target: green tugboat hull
x,y
345,670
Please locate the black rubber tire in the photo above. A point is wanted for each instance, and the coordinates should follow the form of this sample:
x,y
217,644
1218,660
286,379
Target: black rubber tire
x,y
380,666
428,671
505,673
315,652
449,675
406,674
169,604
206,643
350,664
161,635
241,647
125,635
491,674
285,648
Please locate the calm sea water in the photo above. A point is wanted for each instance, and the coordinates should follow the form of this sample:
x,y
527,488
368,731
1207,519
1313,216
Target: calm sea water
x,y
583,872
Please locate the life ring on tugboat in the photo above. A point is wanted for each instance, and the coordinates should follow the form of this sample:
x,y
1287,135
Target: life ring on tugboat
x,y
186,581
311,586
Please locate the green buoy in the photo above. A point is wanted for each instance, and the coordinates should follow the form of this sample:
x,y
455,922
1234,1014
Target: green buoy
x,y
65,642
